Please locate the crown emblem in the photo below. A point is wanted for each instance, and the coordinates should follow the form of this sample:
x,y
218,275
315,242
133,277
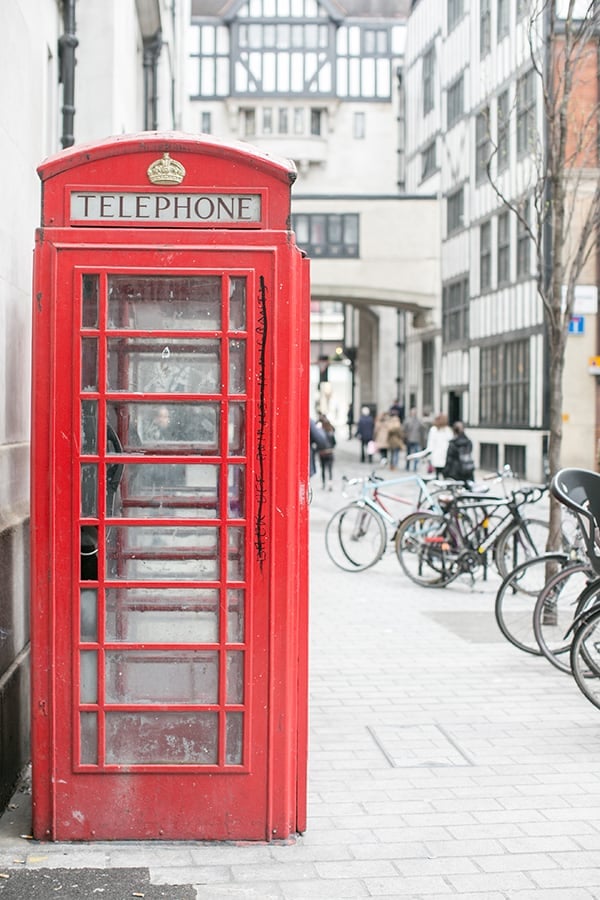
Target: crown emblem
x,y
166,171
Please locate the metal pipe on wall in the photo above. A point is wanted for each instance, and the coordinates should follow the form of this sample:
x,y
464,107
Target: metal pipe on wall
x,y
66,52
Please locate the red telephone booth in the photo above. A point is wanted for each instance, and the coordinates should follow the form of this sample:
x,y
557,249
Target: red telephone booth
x,y
169,503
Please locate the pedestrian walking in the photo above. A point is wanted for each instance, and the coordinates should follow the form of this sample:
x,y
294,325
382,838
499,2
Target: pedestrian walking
x,y
364,431
317,443
459,456
395,439
413,434
380,435
350,420
326,454
440,435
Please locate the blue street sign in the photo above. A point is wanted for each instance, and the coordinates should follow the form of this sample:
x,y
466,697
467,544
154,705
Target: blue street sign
x,y
577,325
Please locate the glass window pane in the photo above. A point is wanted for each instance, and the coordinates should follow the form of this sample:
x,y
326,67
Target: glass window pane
x,y
167,428
235,676
162,615
88,628
177,490
237,367
235,738
88,676
165,303
162,676
236,492
235,556
88,738
89,364
237,428
89,490
237,304
89,301
162,738
163,366
235,616
171,553
89,426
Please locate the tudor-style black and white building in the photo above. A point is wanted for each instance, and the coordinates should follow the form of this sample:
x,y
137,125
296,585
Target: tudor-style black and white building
x,y
320,83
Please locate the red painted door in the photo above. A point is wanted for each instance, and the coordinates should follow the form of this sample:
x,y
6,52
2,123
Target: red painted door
x,y
161,606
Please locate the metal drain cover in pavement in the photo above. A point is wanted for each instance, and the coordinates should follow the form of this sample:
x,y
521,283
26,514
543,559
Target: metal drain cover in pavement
x,y
475,626
425,746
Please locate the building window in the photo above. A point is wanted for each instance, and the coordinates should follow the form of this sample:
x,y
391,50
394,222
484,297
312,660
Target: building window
x,y
455,310
488,457
327,235
485,27
515,456
526,112
281,56
504,391
358,125
375,41
210,61
455,11
523,241
503,248
502,18
482,144
456,101
283,120
502,155
298,120
267,120
206,123
427,373
516,382
316,122
428,160
455,211
248,122
428,81
485,256
522,7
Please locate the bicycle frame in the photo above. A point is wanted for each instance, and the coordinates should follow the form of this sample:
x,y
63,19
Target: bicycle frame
x,y
512,515
375,491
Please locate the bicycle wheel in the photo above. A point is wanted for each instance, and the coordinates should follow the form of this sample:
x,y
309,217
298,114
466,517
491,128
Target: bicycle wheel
x,y
519,542
585,657
516,598
563,597
426,549
355,537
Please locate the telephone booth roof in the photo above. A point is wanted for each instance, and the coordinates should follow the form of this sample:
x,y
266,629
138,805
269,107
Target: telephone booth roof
x,y
126,163
168,142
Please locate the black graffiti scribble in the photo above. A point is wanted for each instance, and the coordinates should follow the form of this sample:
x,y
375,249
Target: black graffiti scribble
x,y
260,530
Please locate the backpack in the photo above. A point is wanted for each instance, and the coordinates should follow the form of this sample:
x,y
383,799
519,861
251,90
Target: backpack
x,y
466,463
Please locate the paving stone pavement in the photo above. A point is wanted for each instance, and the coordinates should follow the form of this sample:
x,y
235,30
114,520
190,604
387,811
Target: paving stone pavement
x,y
443,763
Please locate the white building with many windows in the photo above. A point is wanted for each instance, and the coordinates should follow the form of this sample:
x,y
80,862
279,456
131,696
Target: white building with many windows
x,y
473,96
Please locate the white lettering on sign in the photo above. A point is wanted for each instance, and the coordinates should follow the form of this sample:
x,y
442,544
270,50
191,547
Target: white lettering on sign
x,y
226,209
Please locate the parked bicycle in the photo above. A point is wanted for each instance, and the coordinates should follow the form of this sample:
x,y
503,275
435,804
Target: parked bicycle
x,y
436,548
357,535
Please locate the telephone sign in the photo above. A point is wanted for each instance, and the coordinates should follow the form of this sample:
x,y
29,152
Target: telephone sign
x,y
169,499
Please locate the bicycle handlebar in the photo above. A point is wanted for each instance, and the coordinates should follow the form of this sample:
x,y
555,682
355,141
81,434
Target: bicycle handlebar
x,y
530,494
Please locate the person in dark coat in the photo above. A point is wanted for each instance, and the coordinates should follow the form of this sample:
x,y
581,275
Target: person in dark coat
x,y
364,431
318,442
459,456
